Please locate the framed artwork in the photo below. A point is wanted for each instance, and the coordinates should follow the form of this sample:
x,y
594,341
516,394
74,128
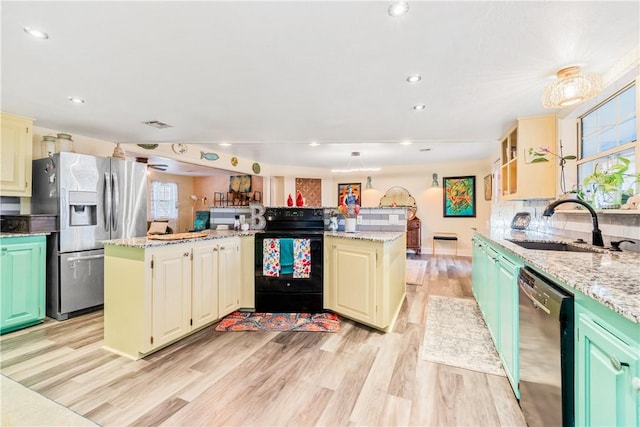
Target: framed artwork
x,y
349,193
459,194
240,183
488,186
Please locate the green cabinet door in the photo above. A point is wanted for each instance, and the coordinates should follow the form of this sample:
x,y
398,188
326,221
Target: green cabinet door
x,y
492,297
607,372
508,309
22,282
478,260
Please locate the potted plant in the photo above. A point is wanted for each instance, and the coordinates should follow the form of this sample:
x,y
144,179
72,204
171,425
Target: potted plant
x,y
606,181
540,155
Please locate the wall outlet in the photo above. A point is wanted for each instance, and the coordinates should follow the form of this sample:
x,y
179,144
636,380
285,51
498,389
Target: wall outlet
x,y
359,219
393,219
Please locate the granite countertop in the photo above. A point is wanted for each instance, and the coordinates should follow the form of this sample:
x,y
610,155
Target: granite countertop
x,y
611,278
144,242
12,234
374,236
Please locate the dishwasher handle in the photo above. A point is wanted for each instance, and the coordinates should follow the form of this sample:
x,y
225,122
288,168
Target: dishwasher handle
x,y
536,304
543,294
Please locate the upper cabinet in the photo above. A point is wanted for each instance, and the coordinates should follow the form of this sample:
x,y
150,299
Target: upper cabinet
x,y
15,155
519,177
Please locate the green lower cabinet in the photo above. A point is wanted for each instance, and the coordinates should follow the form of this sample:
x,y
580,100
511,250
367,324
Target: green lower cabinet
x,y
22,282
494,284
607,376
508,309
477,267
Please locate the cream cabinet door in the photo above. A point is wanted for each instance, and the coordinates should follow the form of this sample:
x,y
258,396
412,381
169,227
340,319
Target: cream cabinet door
x,y
353,281
248,275
171,295
229,276
16,148
204,298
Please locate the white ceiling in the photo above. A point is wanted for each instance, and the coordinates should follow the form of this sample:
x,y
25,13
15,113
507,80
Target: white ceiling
x,y
270,77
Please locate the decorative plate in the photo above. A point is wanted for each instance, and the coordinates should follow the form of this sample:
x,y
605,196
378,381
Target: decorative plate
x,y
208,156
234,161
149,146
179,148
256,168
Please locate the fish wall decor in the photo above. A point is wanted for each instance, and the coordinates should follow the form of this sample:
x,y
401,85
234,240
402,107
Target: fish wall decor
x,y
209,156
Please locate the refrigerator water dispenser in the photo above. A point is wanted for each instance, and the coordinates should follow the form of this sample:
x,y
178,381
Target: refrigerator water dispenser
x,y
83,206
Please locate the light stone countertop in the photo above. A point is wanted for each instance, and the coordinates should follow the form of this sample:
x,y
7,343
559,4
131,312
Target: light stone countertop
x,y
144,242
611,278
5,234
374,236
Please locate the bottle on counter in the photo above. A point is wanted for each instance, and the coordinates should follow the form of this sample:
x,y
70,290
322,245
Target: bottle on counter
x,y
236,223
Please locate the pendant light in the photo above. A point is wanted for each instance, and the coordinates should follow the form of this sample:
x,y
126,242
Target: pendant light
x,y
572,87
355,165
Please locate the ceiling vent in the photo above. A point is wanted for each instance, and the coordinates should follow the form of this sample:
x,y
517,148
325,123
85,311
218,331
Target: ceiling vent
x,y
157,124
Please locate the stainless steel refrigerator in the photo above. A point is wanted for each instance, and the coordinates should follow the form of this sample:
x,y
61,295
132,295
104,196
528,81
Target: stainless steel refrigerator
x,y
95,199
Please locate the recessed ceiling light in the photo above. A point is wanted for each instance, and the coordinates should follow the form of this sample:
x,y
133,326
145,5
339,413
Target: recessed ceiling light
x,y
398,8
414,78
406,143
224,144
314,144
419,107
75,100
36,33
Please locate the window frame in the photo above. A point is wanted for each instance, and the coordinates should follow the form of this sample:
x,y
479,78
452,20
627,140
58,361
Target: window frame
x,y
604,155
153,200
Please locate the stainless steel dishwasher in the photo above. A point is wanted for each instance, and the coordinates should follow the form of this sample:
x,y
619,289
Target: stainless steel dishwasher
x,y
546,351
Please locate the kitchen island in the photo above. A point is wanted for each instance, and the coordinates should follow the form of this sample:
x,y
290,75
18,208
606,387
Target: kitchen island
x,y
159,291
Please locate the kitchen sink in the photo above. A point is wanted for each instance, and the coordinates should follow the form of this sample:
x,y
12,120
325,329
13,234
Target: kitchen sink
x,y
553,246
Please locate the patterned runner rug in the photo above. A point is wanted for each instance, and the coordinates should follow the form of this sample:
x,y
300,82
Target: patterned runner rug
x,y
281,322
415,271
456,335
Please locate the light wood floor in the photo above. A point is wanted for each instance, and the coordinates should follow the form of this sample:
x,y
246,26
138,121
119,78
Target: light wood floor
x,y
359,377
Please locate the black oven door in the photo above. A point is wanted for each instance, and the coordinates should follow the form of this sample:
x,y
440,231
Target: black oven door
x,y
284,292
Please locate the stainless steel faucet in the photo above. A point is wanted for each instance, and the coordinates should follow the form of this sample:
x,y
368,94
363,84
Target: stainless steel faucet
x,y
596,234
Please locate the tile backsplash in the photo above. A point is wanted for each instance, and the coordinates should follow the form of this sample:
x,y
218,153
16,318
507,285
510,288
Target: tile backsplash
x,y
573,223
9,205
372,219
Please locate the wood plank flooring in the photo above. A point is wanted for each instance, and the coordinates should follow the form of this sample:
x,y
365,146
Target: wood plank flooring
x,y
358,377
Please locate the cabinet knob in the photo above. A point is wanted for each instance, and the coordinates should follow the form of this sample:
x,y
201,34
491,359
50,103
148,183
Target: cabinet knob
x,y
615,363
635,384
185,254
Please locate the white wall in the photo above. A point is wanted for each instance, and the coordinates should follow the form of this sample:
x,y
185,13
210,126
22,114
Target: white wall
x,y
417,180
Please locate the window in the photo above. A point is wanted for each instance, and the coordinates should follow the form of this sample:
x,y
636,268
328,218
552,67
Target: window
x,y
609,131
164,200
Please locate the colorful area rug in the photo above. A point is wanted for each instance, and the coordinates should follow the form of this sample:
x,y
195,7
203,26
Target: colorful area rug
x,y
456,335
281,322
415,271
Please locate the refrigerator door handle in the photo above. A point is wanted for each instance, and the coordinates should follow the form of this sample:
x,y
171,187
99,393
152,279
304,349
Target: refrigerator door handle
x,y
84,258
106,196
116,201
